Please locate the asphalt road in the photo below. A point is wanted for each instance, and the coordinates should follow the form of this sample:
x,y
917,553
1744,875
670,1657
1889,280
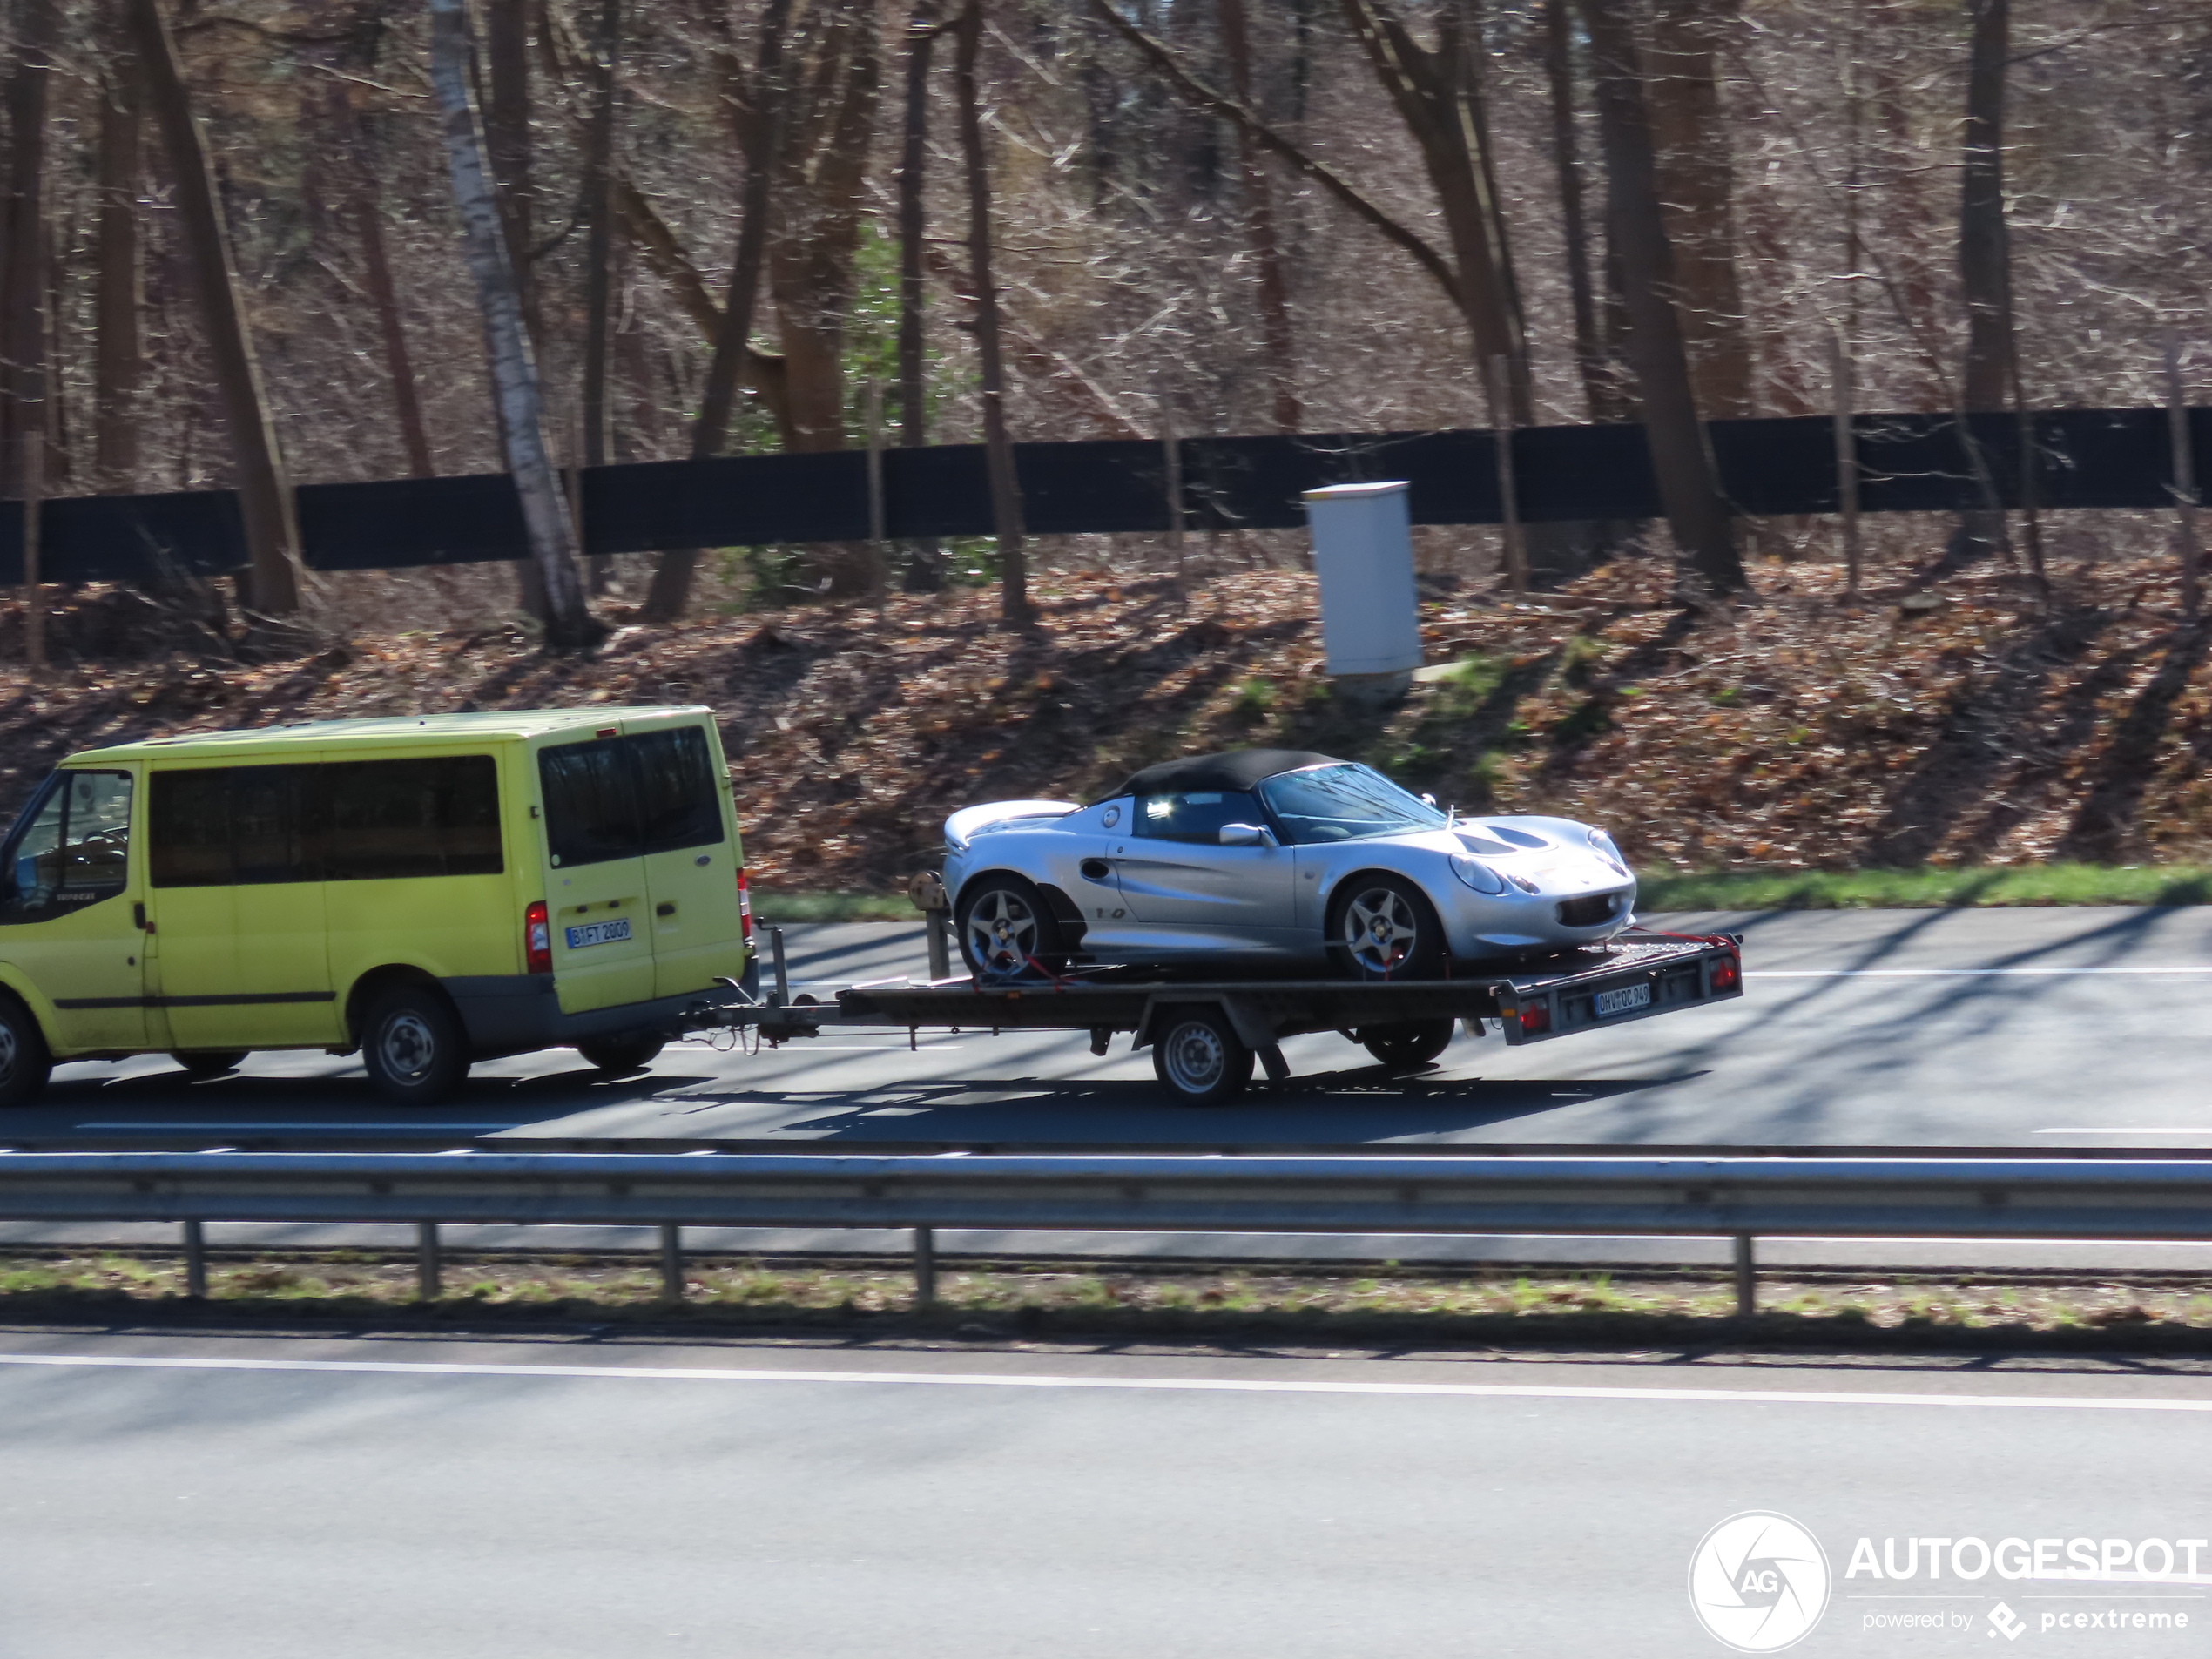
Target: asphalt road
x,y
242,1498
1940,1029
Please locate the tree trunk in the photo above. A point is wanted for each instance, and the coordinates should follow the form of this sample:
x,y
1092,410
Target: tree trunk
x,y
1005,487
671,592
568,622
1688,484
25,409
1599,389
1438,100
1272,291
399,362
599,251
507,142
925,570
1697,193
1985,261
118,353
265,490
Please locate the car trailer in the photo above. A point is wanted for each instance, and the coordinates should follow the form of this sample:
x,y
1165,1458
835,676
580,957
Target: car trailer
x,y
1205,1035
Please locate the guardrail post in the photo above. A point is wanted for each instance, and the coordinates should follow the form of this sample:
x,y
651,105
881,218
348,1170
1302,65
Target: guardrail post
x,y
196,1261
429,1270
925,1266
671,1260
1747,1278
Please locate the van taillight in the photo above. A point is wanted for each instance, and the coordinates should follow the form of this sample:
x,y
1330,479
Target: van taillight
x,y
745,904
537,940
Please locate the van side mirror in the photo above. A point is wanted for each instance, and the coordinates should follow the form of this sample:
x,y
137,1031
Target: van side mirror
x,y
1247,835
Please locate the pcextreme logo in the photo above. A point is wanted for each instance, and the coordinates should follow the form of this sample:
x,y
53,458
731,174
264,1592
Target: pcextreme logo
x,y
1758,1581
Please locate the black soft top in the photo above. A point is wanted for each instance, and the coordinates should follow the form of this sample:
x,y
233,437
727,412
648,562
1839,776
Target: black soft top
x,y
1239,770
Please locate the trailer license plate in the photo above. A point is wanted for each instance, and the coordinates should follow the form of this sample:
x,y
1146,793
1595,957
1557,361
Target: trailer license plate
x,y
1628,997
598,933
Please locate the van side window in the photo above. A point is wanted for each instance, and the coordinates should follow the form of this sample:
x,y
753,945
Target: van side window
x,y
622,797
364,821
72,849
383,819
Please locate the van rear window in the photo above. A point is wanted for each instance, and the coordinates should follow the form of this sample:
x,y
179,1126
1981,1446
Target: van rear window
x,y
622,797
356,820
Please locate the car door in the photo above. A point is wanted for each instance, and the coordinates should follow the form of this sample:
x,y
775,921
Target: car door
x,y
1180,881
67,915
690,852
603,949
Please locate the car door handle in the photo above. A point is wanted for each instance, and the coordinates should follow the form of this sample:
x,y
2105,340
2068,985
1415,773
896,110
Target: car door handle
x,y
664,908
1097,870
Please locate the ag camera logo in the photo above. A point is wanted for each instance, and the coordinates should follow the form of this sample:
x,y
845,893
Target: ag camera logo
x,y
1758,1581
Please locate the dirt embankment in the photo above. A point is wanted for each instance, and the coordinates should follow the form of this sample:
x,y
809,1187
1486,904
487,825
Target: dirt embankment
x,y
1967,722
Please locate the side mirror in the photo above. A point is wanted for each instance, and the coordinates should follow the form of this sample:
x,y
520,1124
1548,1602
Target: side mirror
x,y
1247,835
1428,800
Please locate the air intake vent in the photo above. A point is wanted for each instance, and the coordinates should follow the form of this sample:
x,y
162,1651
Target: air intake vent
x,y
1589,912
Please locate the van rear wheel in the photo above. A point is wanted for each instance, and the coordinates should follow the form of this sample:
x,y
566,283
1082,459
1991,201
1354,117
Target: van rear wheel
x,y
624,1051
414,1047
25,1063
210,1062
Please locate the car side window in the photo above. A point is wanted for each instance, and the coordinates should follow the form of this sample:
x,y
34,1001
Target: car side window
x,y
73,850
1194,815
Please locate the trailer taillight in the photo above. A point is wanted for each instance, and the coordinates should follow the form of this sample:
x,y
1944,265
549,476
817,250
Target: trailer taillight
x,y
1728,973
537,940
745,904
1535,1018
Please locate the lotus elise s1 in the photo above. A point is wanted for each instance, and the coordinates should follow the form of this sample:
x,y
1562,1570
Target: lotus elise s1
x,y
1273,860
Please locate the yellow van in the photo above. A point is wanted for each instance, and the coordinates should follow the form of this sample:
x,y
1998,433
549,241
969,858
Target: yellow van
x,y
427,892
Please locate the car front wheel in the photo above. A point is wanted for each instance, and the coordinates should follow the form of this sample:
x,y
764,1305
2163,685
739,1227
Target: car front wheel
x,y
1005,929
1383,927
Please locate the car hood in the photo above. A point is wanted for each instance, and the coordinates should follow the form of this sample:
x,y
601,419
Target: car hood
x,y
969,822
1561,867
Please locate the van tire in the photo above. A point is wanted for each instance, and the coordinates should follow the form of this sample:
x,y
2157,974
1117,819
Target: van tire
x,y
211,1062
414,1047
25,1064
622,1051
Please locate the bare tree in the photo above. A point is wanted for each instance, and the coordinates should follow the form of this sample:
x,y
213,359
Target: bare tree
x,y
1985,254
264,488
119,351
553,546
1006,486
508,145
1601,390
25,409
1697,515
1696,190
924,564
598,251
1271,289
671,586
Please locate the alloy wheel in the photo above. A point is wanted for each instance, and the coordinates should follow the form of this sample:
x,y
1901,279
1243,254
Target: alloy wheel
x,y
1379,930
1001,933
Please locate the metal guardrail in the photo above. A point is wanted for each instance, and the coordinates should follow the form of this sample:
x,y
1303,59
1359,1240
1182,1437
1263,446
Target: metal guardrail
x,y
1741,1197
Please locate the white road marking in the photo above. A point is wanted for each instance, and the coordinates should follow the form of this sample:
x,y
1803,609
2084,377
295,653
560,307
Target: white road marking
x,y
1962,973
2172,1128
1184,1384
242,1125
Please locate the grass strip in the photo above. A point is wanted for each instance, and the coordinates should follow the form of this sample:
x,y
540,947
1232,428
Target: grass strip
x,y
1383,1305
1924,889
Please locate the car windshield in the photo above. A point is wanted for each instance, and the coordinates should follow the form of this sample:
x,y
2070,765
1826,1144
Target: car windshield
x,y
1343,803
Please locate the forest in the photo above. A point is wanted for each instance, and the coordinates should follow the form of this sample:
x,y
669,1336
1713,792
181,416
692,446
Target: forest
x,y
254,245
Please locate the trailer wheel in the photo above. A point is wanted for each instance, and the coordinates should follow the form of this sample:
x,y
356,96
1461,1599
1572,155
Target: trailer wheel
x,y
622,1051
1406,1043
1198,1055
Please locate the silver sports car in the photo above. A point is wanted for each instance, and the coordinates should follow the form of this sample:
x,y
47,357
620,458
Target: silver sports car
x,y
1273,857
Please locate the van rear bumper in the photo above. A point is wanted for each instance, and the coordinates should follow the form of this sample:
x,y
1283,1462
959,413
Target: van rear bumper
x,y
517,1013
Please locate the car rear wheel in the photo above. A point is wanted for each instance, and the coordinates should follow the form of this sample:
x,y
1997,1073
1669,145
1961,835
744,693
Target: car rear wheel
x,y
1408,1043
414,1047
25,1063
1198,1055
1005,929
626,1051
1383,927
210,1062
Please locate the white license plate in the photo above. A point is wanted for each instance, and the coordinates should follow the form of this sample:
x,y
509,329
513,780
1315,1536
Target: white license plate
x,y
1628,997
598,933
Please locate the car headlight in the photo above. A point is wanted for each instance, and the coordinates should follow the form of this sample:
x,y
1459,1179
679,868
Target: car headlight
x,y
1477,874
1602,844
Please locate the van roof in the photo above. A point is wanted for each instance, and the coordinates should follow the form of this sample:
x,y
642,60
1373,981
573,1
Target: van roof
x,y
478,728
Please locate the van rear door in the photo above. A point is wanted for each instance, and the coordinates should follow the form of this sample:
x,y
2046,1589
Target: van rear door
x,y
691,854
603,946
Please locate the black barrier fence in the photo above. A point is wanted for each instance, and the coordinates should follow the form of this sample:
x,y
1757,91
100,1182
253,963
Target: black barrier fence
x,y
2083,458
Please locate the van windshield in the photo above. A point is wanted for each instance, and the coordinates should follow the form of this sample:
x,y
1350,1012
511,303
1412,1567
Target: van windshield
x,y
623,798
